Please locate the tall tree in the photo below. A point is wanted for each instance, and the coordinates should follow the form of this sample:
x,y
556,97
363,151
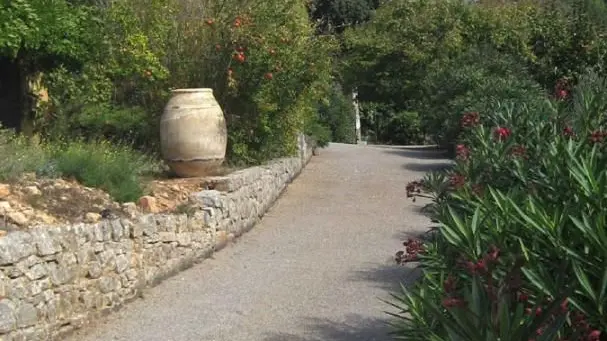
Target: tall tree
x,y
333,16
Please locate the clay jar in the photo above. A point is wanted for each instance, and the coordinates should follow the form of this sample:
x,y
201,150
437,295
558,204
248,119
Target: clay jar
x,y
193,133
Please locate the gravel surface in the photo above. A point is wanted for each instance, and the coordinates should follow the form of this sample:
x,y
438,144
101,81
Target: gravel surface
x,y
316,268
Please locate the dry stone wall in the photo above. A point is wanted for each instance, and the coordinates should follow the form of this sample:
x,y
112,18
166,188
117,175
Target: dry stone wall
x,y
55,279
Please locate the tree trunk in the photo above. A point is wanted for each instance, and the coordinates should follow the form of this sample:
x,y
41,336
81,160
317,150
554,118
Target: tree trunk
x,y
33,96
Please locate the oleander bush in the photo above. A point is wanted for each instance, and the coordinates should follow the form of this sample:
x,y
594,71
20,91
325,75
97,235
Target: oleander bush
x,y
520,249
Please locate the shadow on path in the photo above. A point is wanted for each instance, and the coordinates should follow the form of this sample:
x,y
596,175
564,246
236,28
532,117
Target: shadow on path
x,y
428,167
416,152
388,277
354,328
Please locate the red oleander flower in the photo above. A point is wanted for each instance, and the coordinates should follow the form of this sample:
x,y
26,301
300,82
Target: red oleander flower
x,y
462,152
519,151
594,335
457,181
449,284
561,91
470,266
502,133
477,189
597,136
565,305
451,302
568,131
481,266
470,119
538,311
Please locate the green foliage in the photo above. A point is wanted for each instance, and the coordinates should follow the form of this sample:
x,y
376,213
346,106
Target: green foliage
x,y
120,92
336,15
384,124
401,56
403,128
475,81
21,156
320,133
339,116
522,227
388,70
125,56
36,30
116,169
266,67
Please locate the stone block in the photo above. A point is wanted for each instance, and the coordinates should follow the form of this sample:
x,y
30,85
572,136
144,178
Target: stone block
x,y
8,318
27,315
16,246
45,242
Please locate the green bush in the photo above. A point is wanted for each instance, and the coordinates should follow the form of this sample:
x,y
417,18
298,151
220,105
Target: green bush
x,y
404,128
382,123
20,156
116,169
476,81
425,56
110,68
521,250
267,69
338,114
320,133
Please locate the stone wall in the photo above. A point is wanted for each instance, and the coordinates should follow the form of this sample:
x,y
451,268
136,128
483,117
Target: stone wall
x,y
55,279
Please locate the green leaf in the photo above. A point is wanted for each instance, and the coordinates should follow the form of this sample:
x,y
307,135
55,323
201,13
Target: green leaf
x,y
584,282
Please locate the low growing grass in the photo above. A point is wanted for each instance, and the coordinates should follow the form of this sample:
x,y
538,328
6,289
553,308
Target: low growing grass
x,y
116,169
18,156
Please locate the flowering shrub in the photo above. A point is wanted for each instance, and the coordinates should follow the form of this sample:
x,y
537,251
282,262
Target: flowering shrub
x,y
267,68
109,68
521,249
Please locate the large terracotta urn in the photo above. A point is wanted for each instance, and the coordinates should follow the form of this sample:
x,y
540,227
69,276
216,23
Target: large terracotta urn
x,y
193,134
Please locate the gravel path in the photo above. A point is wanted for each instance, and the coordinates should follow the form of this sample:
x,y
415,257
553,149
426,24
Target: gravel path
x,y
316,268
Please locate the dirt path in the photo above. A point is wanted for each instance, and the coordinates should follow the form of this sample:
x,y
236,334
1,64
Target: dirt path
x,y
316,268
